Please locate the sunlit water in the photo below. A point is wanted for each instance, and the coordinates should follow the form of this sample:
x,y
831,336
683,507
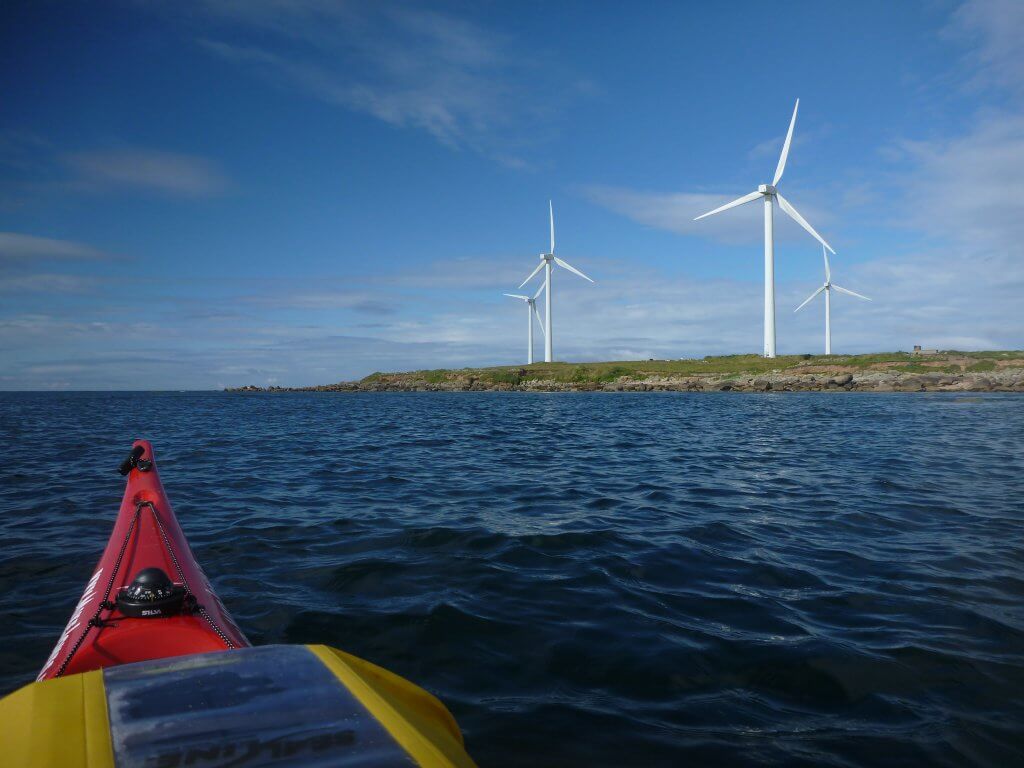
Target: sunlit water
x,y
584,579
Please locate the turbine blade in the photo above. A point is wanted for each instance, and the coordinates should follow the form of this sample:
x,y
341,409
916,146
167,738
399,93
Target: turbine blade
x,y
828,270
538,269
551,213
540,322
785,147
571,268
738,201
795,215
851,293
540,290
516,296
809,298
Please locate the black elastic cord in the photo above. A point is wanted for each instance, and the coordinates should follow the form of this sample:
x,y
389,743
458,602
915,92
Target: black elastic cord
x,y
188,592
95,620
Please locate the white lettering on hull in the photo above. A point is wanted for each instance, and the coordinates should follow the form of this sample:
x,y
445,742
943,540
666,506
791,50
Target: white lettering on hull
x,y
74,622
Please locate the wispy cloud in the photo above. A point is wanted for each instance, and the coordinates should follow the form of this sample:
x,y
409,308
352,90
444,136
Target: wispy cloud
x,y
407,66
37,171
16,247
147,169
967,189
924,298
48,283
19,149
323,299
992,30
676,211
426,71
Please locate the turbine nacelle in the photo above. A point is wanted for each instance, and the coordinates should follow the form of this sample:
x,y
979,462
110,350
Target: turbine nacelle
x,y
766,189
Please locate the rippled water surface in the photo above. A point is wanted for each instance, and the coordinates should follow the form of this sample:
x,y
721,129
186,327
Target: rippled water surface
x,y
584,579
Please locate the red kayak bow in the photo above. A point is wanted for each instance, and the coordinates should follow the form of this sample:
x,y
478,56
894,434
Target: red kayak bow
x,y
148,598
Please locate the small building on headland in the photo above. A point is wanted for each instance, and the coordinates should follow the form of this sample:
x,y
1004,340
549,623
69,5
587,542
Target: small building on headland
x,y
919,351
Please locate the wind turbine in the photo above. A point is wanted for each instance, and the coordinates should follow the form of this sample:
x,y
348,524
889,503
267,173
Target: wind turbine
x,y
770,193
546,262
827,288
531,310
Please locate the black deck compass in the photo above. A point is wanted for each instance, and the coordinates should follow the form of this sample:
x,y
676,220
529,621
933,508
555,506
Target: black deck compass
x,y
151,594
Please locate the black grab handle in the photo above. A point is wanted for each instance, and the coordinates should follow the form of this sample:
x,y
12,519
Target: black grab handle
x,y
133,458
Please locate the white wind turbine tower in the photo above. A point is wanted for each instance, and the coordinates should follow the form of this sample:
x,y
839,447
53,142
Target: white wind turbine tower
x,y
546,262
770,193
531,310
827,288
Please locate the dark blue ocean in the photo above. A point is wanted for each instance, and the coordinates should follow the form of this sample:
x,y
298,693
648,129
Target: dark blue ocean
x,y
584,579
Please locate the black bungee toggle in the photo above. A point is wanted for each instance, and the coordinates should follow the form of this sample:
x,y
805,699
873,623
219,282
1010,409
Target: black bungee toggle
x,y
151,595
134,460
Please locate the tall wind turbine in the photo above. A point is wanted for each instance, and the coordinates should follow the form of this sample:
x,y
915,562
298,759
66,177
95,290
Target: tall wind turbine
x,y
770,193
827,288
531,310
547,260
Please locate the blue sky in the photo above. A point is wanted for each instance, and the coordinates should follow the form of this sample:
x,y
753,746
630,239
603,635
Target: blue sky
x,y
201,194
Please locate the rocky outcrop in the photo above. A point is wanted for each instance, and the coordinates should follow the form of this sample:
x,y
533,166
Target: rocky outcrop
x,y
885,380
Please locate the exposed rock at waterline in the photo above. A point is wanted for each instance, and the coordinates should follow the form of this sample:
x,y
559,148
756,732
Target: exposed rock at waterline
x,y
1004,380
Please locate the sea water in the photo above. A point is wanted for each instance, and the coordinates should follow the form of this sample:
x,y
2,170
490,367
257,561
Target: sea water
x,y
584,579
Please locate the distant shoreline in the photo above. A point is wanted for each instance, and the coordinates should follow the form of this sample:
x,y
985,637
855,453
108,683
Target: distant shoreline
x,y
885,372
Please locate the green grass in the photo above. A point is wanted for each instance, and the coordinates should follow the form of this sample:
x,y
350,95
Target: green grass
x,y
613,373
916,368
1007,354
434,377
503,376
717,367
982,366
865,361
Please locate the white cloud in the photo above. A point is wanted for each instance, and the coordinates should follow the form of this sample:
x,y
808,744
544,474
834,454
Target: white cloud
x,y
676,211
922,299
16,246
957,195
25,329
46,283
407,66
324,299
993,31
18,149
166,172
967,189
450,107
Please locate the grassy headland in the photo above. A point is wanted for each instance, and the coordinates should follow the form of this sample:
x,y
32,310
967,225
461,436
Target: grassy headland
x,y
890,371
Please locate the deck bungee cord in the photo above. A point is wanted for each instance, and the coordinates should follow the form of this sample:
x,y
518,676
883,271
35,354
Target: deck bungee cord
x,y
153,596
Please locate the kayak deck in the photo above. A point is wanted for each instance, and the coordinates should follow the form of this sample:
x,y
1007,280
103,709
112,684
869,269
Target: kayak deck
x,y
138,677
272,705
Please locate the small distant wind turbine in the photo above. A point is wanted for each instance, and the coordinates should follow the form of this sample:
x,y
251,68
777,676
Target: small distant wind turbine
x,y
770,193
531,310
827,288
546,260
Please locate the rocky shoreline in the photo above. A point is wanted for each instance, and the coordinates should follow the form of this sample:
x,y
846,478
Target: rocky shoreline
x,y
1000,380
